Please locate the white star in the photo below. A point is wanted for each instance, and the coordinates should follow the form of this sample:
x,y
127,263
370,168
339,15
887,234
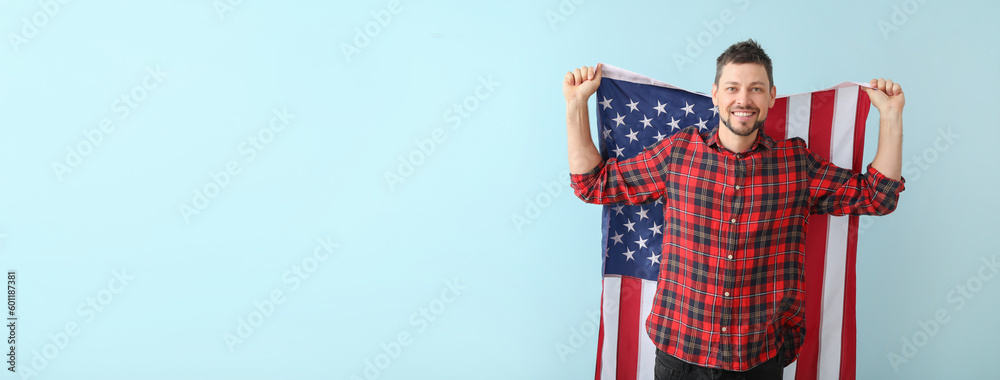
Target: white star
x,y
606,103
617,238
631,136
619,120
634,105
654,259
607,132
659,108
674,123
642,214
655,228
659,136
715,110
689,108
628,254
618,152
629,225
641,242
659,201
618,209
701,123
645,121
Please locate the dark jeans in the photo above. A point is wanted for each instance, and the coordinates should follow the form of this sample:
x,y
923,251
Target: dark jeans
x,y
671,368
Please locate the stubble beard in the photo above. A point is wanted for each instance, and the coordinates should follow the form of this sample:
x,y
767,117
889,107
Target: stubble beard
x,y
756,126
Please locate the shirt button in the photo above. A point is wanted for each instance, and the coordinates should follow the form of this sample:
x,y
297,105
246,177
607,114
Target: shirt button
x,y
737,187
723,329
733,220
730,257
727,294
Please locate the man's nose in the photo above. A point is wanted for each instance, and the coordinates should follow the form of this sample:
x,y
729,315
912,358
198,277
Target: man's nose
x,y
743,99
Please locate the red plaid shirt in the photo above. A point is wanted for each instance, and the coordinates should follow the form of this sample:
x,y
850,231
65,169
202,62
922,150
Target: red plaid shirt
x,y
729,293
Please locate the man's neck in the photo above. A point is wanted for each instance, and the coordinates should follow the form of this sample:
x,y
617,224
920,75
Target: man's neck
x,y
736,143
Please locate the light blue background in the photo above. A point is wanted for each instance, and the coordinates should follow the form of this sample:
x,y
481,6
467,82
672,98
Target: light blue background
x,y
526,290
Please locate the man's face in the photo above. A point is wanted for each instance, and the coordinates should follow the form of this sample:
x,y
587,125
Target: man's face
x,y
743,96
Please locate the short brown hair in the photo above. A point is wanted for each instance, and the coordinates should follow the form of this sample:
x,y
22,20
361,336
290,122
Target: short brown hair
x,y
748,51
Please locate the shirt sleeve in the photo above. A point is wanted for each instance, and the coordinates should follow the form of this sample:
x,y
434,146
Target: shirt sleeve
x,y
840,191
637,180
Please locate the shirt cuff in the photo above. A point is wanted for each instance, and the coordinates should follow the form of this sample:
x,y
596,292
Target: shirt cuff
x,y
885,184
578,179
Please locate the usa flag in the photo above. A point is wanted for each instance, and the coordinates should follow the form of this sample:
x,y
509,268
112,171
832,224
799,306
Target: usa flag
x,y
635,112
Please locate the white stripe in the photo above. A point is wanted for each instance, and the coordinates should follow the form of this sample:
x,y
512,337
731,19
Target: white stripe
x,y
835,268
609,348
647,351
797,121
844,114
790,371
617,73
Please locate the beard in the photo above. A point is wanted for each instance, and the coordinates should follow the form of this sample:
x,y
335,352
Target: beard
x,y
756,125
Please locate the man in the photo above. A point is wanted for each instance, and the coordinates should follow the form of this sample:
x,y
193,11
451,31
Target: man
x,y
729,294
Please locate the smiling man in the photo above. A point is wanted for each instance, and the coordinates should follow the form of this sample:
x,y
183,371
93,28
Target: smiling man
x,y
729,294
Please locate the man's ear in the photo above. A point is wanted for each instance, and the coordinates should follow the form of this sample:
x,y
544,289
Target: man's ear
x,y
774,96
715,89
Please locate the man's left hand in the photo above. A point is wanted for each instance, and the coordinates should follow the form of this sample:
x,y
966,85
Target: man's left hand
x,y
886,96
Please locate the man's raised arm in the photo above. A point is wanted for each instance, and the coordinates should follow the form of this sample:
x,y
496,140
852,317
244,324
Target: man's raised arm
x,y
578,85
888,98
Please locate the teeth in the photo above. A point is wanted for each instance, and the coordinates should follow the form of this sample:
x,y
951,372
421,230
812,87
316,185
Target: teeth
x,y
742,114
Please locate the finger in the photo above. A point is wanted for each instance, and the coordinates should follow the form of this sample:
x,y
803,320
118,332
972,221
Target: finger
x,y
599,73
897,89
577,77
881,84
590,72
888,87
873,83
568,78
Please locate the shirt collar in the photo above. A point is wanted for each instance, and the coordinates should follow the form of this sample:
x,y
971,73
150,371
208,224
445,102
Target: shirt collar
x,y
763,141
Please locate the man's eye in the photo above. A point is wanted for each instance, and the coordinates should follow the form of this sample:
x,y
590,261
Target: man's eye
x,y
757,89
731,89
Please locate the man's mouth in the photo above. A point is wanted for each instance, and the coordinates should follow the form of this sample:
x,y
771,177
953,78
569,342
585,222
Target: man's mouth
x,y
744,115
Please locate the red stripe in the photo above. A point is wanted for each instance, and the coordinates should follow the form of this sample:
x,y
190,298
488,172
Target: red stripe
x,y
600,338
628,328
777,118
820,130
848,348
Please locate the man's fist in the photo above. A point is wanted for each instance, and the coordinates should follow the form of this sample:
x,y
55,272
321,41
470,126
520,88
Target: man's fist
x,y
580,83
886,96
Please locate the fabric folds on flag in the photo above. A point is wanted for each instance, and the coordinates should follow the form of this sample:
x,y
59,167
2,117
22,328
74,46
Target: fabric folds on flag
x,y
831,121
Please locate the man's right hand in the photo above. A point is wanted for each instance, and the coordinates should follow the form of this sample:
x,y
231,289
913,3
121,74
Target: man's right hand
x,y
580,83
